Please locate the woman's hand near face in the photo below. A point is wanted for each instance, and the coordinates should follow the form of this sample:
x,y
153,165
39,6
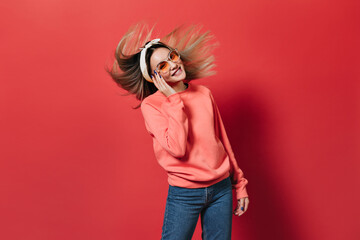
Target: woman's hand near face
x,y
162,85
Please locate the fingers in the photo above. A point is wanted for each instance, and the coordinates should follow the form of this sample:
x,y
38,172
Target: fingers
x,y
155,81
242,206
162,85
246,204
158,81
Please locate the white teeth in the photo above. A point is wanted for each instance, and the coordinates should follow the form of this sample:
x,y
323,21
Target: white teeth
x,y
175,73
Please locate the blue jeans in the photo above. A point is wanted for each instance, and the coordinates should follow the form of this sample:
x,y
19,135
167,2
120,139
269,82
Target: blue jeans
x,y
183,206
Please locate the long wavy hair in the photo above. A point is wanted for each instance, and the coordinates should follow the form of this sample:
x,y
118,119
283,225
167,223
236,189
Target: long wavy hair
x,y
195,49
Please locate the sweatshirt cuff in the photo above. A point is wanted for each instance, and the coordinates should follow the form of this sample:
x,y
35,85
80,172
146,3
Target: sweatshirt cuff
x,y
241,193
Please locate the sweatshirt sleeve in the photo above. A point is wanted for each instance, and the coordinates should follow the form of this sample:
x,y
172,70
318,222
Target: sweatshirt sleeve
x,y
236,174
168,125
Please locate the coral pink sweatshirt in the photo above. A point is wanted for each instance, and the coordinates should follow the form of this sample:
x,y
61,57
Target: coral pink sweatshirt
x,y
190,140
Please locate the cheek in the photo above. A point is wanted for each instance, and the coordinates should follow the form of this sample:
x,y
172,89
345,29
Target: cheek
x,y
166,77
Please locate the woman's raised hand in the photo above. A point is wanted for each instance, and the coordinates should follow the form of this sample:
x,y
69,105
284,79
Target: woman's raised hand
x,y
162,85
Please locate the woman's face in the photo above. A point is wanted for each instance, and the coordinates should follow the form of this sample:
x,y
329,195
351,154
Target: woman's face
x,y
161,54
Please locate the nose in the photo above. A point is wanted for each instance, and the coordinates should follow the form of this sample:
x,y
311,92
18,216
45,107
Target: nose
x,y
172,65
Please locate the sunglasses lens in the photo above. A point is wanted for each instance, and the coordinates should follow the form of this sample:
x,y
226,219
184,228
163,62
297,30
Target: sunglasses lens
x,y
174,56
164,66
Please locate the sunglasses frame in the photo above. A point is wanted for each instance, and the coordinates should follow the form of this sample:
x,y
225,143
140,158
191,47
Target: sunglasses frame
x,y
167,60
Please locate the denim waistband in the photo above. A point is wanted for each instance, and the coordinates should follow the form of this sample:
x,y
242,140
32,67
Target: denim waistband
x,y
225,181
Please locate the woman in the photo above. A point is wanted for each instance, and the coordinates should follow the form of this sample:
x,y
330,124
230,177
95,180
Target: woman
x,y
189,137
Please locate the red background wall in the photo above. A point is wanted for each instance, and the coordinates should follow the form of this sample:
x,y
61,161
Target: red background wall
x,y
77,163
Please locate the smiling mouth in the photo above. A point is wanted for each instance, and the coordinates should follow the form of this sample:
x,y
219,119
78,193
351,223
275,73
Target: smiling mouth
x,y
176,71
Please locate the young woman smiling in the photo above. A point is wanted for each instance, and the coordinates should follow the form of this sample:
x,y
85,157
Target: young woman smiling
x,y
189,138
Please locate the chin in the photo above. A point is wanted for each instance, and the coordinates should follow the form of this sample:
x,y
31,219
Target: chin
x,y
177,79
182,76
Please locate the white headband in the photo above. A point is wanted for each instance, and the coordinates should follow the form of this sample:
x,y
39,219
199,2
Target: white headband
x,y
143,66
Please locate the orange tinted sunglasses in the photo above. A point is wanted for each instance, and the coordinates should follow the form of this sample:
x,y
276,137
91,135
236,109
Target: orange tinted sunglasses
x,y
164,66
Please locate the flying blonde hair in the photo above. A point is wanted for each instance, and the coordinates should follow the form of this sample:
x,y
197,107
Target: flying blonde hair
x,y
194,46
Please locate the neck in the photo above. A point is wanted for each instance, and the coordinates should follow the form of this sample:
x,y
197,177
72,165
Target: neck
x,y
178,86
